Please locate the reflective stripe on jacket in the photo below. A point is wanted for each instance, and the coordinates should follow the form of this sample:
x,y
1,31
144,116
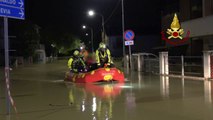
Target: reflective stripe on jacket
x,y
73,63
102,56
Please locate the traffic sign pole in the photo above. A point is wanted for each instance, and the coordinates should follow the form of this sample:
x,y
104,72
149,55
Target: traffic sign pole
x,y
9,9
130,56
7,67
129,36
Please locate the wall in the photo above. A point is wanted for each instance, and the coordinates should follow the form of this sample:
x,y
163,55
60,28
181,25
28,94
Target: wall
x,y
200,26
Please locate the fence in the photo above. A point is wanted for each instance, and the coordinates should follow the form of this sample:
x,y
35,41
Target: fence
x,y
146,62
186,65
177,65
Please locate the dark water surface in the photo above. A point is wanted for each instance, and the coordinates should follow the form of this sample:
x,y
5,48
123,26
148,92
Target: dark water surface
x,y
40,94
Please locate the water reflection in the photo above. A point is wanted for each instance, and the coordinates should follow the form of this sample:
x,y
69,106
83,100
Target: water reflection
x,y
130,102
95,99
183,87
140,80
208,91
164,86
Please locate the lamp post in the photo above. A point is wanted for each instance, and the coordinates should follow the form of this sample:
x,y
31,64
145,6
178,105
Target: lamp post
x,y
123,30
92,13
91,30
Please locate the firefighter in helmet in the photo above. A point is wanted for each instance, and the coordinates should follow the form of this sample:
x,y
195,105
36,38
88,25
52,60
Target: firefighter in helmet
x,y
103,56
76,63
83,52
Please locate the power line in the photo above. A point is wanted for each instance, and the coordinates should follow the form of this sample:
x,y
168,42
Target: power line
x,y
113,12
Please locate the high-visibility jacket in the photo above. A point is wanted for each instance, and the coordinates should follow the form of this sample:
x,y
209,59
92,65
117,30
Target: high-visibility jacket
x,y
75,63
103,56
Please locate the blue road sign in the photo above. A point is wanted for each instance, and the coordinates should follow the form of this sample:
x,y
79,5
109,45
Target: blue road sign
x,y
129,35
12,9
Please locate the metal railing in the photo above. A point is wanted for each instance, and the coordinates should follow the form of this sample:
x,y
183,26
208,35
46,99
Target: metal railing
x,y
149,62
186,65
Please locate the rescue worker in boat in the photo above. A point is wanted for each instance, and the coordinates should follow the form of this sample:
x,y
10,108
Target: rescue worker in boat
x,y
87,57
83,52
103,56
76,63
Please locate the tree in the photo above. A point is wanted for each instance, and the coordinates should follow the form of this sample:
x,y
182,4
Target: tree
x,y
58,41
27,38
67,43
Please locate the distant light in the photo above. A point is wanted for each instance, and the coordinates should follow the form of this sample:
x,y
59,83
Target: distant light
x,y
91,13
53,45
87,34
84,27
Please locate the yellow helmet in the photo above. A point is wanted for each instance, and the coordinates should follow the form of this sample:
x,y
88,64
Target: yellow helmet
x,y
76,53
102,45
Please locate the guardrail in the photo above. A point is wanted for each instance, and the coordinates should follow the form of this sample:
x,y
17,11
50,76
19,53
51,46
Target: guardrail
x,y
186,65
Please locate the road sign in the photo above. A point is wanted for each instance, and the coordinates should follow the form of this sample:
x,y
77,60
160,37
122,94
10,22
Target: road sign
x,y
12,9
129,42
129,35
9,9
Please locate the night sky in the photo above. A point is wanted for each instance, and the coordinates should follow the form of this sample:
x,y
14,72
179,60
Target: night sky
x,y
142,16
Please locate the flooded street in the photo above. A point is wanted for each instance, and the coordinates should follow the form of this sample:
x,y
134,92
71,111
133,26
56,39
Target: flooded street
x,y
40,94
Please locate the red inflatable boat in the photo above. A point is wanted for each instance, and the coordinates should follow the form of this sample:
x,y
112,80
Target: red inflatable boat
x,y
101,74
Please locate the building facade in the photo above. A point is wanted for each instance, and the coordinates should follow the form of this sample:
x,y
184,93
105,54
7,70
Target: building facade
x,y
144,44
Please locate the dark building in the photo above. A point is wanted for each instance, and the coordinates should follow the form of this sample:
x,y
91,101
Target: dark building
x,y
144,43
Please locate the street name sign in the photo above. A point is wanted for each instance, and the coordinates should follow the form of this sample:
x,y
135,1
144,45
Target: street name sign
x,y
12,9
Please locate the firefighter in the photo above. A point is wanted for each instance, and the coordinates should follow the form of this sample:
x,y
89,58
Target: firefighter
x,y
103,56
83,52
76,63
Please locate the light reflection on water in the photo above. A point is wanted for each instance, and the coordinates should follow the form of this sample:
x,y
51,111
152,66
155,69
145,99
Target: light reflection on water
x,y
164,87
208,91
97,99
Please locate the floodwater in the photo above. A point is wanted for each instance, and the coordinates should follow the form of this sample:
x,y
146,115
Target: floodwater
x,y
39,93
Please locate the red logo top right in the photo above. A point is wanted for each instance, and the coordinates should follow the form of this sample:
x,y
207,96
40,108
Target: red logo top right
x,y
174,33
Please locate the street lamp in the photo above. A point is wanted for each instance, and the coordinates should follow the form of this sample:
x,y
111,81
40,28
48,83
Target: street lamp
x,y
92,13
91,30
84,27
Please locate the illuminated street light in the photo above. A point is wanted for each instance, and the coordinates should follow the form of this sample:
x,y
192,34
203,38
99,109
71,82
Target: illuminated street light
x,y
91,30
92,13
84,27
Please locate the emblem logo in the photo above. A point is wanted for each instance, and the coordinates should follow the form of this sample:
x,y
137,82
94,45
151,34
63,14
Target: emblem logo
x,y
175,32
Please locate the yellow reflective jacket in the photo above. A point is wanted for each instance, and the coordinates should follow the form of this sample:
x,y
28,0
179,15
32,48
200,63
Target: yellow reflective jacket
x,y
101,56
71,65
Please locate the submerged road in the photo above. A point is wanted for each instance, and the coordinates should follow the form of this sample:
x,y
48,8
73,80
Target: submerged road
x,y
40,94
